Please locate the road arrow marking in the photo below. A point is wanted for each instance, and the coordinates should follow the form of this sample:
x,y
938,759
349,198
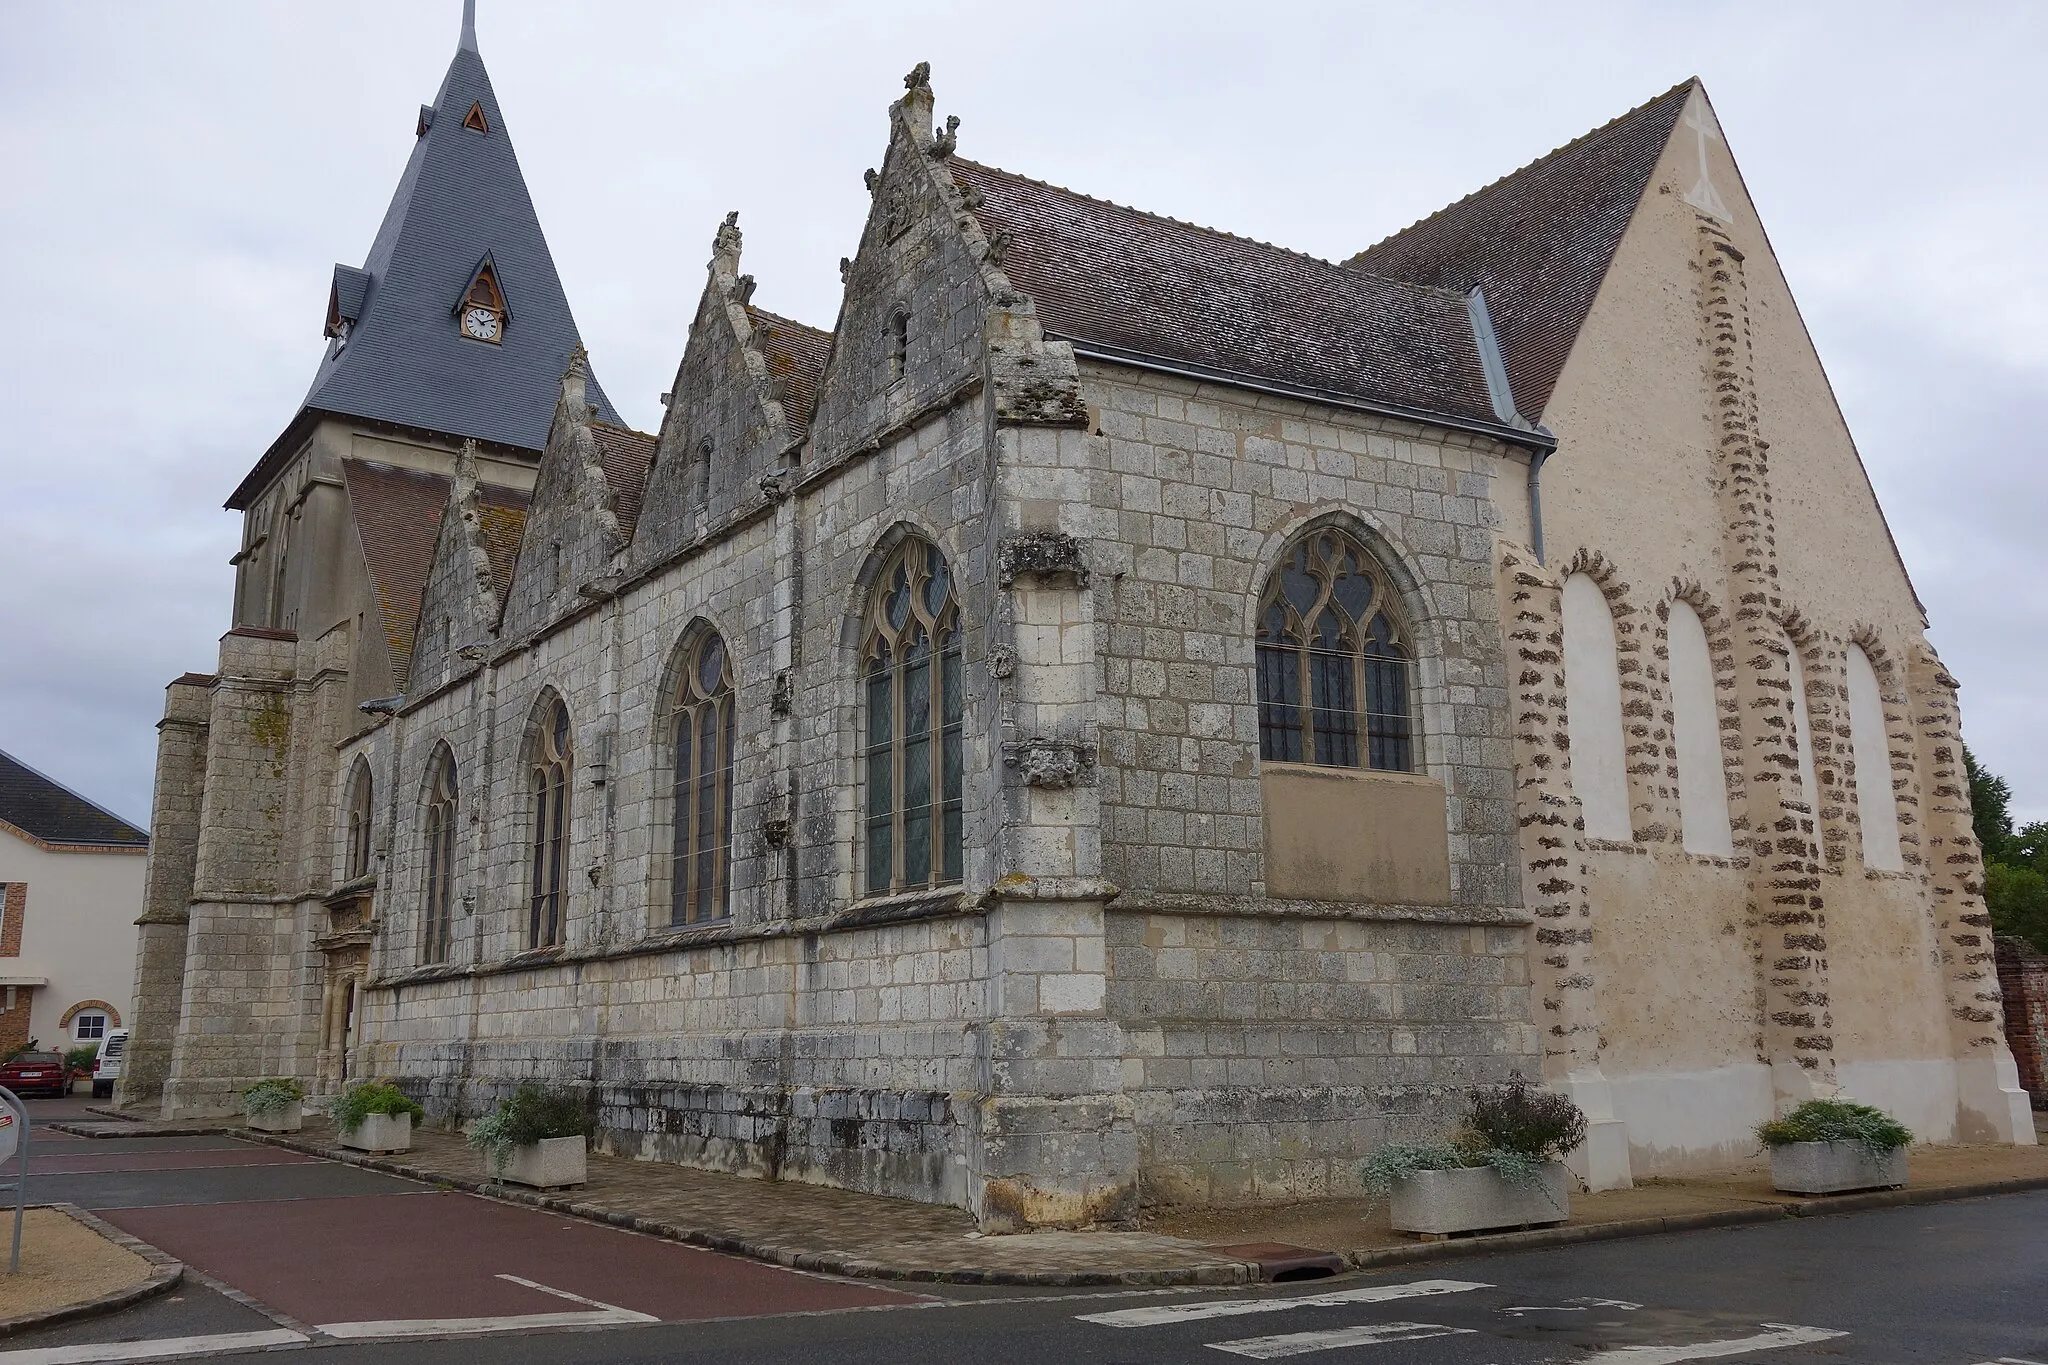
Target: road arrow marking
x,y
1781,1334
1162,1314
1301,1343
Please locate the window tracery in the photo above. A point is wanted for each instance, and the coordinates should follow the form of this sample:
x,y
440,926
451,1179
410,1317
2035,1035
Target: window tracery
x,y
440,835
702,733
549,779
356,858
911,758
1333,661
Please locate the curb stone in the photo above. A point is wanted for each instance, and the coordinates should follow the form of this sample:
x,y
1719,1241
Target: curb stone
x,y
163,1274
1238,1272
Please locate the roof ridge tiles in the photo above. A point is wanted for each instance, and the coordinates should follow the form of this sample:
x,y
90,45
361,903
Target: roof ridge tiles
x,y
1582,140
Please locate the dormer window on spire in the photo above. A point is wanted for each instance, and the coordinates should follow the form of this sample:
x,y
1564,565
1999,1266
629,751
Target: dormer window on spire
x,y
482,309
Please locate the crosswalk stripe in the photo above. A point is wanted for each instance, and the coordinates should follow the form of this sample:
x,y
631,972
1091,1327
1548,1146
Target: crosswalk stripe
x,y
1371,1334
1781,1334
1161,1314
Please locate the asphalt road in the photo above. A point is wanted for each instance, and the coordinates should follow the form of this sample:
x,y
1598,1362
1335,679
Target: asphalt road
x,y
281,1249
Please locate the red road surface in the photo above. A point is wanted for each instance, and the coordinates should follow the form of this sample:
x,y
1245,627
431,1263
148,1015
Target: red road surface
x,y
431,1255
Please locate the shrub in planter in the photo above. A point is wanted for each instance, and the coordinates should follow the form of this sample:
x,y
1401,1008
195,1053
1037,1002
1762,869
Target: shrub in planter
x,y
1828,1146
536,1137
275,1104
376,1116
1504,1167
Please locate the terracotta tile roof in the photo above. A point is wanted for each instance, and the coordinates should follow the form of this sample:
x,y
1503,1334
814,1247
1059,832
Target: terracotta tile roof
x,y
398,519
1141,284
626,455
796,356
46,809
1538,242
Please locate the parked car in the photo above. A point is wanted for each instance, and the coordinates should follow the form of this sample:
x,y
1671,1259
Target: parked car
x,y
37,1073
106,1069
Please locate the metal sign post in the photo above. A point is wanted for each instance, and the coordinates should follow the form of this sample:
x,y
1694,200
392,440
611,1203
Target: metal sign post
x,y
13,1142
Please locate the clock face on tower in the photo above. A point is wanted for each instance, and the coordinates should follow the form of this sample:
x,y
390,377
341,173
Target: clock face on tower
x,y
481,323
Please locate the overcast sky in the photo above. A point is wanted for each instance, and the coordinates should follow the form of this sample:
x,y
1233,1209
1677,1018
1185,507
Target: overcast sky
x,y
179,180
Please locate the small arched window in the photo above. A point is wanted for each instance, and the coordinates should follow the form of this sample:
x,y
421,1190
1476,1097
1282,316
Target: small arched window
x,y
704,473
703,736
356,859
1333,661
440,832
910,754
549,780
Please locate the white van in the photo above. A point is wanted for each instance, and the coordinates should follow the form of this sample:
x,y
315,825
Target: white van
x,y
106,1067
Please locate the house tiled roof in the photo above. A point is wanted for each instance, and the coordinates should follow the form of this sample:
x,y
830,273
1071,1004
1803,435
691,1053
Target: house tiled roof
x,y
626,456
1142,285
405,362
46,809
398,519
796,356
1538,242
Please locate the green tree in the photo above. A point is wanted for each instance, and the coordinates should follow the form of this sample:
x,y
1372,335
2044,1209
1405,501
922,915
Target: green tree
x,y
1990,807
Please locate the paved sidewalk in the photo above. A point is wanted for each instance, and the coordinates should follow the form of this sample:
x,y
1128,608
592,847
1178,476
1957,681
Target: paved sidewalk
x,y
815,1227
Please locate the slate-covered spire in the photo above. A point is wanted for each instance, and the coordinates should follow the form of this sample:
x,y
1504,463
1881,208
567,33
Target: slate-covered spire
x,y
402,357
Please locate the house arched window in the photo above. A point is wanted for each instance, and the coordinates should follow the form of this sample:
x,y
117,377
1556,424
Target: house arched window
x,y
548,780
361,808
1333,661
440,834
910,751
702,733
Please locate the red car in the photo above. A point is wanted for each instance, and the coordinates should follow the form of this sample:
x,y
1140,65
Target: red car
x,y
37,1072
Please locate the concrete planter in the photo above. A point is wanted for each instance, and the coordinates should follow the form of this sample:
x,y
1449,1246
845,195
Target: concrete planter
x,y
289,1119
1438,1203
380,1133
548,1164
1832,1167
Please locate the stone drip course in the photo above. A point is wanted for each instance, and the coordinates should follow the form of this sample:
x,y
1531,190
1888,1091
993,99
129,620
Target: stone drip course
x,y
834,1231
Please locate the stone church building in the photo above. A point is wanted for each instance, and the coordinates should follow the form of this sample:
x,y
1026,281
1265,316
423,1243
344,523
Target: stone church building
x,y
1129,713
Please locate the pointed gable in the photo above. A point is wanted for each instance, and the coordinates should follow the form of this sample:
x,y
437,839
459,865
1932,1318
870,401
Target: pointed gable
x,y
1538,242
460,600
461,202
572,529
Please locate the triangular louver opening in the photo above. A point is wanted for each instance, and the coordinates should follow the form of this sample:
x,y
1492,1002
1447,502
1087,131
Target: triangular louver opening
x,y
475,120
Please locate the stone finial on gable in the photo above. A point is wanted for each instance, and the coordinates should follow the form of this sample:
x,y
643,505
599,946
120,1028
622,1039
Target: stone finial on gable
x,y
915,108
725,247
575,382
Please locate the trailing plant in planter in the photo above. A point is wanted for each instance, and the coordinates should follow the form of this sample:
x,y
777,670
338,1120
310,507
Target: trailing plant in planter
x,y
1514,1128
529,1115
1878,1133
272,1095
1829,1146
1502,1168
358,1102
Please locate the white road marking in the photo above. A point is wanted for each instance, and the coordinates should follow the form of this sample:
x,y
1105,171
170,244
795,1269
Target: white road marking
x,y
1162,1314
602,1315
2015,1360
1781,1334
1301,1343
163,1348
1571,1306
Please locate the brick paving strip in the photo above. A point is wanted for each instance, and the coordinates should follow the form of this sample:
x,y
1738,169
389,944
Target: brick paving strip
x,y
819,1228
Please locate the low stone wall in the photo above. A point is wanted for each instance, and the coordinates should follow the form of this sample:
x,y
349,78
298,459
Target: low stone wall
x,y
2023,976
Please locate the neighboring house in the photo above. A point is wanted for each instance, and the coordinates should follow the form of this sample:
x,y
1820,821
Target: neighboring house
x,y
1131,712
71,876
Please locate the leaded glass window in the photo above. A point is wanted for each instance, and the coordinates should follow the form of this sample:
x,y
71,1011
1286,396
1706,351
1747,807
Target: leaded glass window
x,y
911,726
703,736
549,779
356,859
440,832
1333,661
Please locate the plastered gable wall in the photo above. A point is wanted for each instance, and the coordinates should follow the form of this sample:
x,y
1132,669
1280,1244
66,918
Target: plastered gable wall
x,y
1633,483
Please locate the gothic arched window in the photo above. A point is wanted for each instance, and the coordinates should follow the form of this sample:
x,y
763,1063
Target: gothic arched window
x,y
440,832
1333,661
700,886
356,858
910,750
549,778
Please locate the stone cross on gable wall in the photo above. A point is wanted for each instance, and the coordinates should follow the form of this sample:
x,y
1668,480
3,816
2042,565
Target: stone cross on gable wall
x,y
1703,195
